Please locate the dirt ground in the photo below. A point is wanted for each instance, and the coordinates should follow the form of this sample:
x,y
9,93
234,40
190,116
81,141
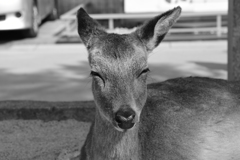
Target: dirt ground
x,y
41,130
39,140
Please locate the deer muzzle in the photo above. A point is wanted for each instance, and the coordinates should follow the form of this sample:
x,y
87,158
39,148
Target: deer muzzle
x,y
125,118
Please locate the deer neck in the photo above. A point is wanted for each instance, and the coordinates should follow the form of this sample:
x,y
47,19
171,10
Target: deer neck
x,y
108,143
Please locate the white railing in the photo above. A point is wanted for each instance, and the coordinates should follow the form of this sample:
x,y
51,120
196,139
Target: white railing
x,y
218,28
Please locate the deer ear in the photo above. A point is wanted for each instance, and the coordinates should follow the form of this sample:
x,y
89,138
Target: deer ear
x,y
154,30
87,27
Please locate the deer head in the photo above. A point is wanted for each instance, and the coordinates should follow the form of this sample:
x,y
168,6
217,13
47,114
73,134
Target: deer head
x,y
119,66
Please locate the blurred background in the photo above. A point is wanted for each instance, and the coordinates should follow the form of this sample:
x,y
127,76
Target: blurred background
x,y
42,57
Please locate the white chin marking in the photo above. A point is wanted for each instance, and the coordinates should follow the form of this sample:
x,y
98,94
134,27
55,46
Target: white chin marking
x,y
123,130
119,129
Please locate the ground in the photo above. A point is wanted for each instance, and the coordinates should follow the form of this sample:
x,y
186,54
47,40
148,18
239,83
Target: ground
x,y
55,72
39,140
37,130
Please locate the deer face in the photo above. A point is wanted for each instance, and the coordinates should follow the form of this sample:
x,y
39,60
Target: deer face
x,y
119,70
119,66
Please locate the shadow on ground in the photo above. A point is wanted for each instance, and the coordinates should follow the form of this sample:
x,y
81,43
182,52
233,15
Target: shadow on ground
x,y
73,83
8,36
162,72
213,66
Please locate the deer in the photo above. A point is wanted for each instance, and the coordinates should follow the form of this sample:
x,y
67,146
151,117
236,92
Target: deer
x,y
188,118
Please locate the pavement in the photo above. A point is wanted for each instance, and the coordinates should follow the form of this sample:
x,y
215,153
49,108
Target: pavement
x,y
52,72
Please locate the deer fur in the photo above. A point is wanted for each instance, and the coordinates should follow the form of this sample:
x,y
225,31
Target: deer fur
x,y
189,118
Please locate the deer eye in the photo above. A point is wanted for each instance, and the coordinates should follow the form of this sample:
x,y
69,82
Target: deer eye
x,y
146,70
96,74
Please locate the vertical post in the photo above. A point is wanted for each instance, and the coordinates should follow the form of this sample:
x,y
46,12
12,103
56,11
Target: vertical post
x,y
234,40
219,25
110,24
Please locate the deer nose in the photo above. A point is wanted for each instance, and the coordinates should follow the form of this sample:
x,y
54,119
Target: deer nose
x,y
125,118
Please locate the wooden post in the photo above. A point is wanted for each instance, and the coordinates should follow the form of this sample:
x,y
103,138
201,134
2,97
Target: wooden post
x,y
234,40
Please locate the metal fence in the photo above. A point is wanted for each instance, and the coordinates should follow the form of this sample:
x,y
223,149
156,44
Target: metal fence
x,y
214,23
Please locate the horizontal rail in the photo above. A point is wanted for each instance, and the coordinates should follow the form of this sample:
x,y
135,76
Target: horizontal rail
x,y
179,30
144,15
70,18
186,30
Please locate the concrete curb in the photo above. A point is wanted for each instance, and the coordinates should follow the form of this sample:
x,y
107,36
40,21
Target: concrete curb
x,y
47,111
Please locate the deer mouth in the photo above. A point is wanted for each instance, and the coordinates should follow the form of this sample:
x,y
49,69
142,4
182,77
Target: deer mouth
x,y
123,126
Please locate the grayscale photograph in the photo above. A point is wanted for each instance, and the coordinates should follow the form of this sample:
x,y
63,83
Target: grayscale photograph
x,y
120,80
